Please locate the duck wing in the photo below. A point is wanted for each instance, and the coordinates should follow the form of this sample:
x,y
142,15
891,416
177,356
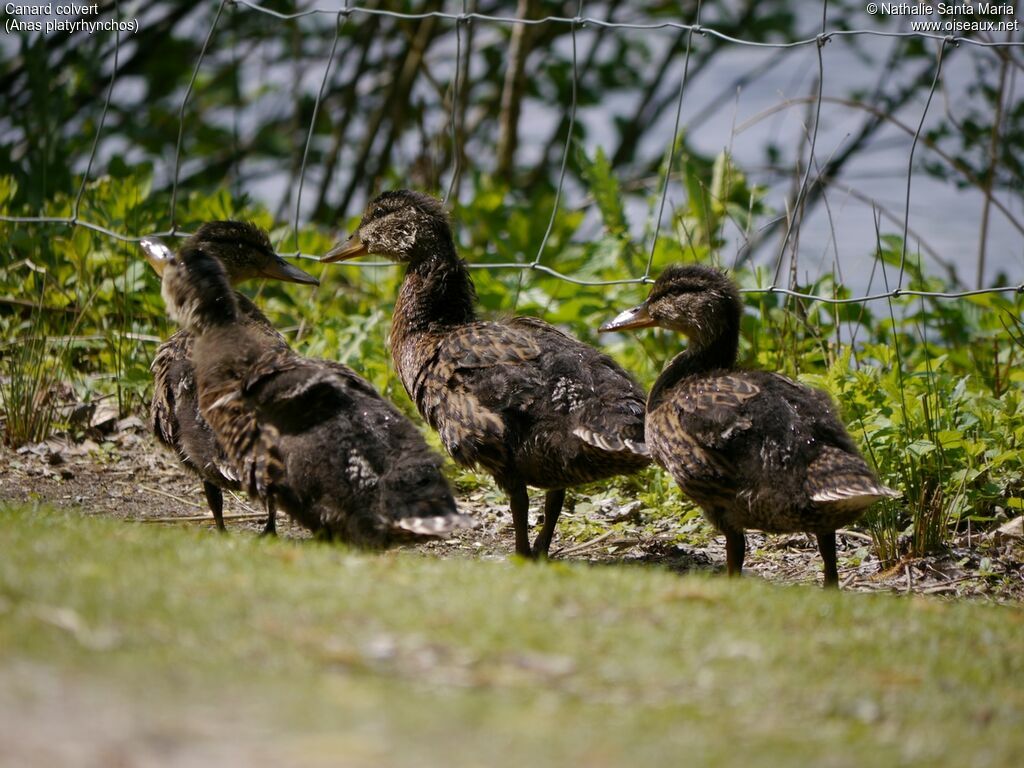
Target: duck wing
x,y
484,376
176,419
172,372
467,383
329,407
295,393
711,410
843,481
692,430
603,403
754,423
249,444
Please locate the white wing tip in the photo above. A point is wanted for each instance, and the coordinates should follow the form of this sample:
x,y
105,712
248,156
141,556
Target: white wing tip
x,y
847,494
435,525
611,443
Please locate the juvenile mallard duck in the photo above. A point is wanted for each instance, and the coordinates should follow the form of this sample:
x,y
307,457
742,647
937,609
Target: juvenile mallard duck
x,y
246,253
753,449
531,405
310,436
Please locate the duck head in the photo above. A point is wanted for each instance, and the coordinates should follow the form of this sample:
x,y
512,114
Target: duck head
x,y
194,285
242,247
700,302
401,225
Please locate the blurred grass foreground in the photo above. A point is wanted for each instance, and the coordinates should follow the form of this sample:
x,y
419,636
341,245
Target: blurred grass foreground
x,y
123,644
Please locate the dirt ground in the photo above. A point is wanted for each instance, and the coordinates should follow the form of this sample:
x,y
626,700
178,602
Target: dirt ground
x,y
125,474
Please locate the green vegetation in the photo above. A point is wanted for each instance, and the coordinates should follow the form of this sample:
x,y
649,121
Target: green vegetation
x,y
328,652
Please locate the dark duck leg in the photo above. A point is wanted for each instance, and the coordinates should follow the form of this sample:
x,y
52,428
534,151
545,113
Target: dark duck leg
x,y
827,548
215,500
519,398
553,501
519,505
735,551
753,449
270,528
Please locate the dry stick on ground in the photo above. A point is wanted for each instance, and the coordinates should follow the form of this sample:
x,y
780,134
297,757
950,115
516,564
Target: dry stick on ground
x,y
855,535
171,496
585,545
203,518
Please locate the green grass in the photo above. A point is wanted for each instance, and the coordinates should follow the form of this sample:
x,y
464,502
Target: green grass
x,y
406,660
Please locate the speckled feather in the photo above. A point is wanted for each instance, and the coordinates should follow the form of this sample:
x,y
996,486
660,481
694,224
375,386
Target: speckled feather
x,y
756,450
526,401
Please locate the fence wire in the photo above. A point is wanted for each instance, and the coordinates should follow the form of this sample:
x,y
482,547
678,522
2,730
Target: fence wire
x,y
343,14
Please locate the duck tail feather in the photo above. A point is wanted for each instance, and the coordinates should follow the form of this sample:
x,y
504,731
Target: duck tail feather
x,y
436,526
611,443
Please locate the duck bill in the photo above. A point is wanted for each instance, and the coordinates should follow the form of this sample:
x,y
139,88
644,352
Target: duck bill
x,y
350,249
637,317
157,253
279,269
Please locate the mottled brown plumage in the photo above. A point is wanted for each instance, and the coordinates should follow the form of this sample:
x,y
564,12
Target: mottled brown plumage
x,y
310,436
245,251
528,403
753,449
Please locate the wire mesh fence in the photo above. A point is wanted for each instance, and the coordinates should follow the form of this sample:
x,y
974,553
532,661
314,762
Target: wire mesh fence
x,y
459,26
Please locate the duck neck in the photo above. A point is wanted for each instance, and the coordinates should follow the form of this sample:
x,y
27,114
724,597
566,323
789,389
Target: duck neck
x,y
206,309
437,291
717,352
